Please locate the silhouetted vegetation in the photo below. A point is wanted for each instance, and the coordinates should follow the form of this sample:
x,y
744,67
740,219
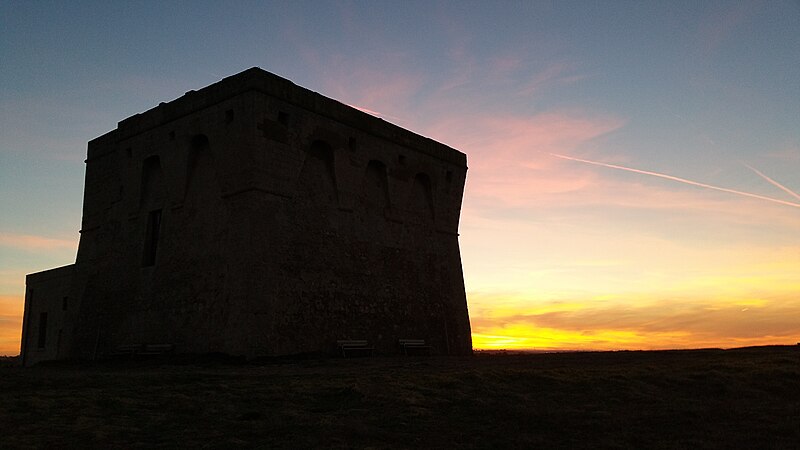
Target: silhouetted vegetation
x,y
8,361
745,398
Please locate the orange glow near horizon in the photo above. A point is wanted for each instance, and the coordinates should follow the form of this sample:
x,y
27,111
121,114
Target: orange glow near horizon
x,y
11,307
610,340
723,330
744,307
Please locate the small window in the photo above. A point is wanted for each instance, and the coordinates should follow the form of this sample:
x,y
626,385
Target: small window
x,y
64,303
42,330
151,238
171,135
283,117
229,116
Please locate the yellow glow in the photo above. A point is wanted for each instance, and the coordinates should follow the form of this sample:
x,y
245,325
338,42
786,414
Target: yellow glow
x,y
549,339
750,303
531,338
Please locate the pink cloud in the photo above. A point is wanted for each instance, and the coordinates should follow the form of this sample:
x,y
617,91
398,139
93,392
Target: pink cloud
x,y
372,87
509,165
383,93
715,30
791,153
504,65
555,74
494,141
507,152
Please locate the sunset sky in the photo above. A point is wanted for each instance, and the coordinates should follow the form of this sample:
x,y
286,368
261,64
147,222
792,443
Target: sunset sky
x,y
634,167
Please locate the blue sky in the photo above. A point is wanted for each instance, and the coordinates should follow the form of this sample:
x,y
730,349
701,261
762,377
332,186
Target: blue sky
x,y
557,252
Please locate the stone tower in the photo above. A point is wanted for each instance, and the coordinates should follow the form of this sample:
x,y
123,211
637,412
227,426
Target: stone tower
x,y
257,218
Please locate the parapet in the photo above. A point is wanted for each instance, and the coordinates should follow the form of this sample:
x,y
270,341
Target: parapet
x,y
259,80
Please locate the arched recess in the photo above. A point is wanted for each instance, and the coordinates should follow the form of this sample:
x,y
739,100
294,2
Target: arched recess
x,y
152,192
318,178
422,196
375,187
201,172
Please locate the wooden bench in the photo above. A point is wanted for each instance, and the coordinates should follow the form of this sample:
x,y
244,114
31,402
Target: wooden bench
x,y
126,350
354,347
156,349
132,350
414,346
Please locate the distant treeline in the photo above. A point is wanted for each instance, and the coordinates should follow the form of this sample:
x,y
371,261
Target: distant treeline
x,y
8,360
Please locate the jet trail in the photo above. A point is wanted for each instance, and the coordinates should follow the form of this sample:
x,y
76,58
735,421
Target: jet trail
x,y
775,183
680,180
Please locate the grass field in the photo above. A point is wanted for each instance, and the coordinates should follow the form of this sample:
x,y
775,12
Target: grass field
x,y
743,398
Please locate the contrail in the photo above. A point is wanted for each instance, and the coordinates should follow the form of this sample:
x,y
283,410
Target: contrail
x,y
775,183
680,180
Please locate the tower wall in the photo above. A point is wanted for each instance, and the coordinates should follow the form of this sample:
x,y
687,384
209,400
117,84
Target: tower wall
x,y
257,218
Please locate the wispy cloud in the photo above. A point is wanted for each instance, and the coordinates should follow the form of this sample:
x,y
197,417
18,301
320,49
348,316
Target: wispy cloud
x,y
507,166
33,242
716,29
556,74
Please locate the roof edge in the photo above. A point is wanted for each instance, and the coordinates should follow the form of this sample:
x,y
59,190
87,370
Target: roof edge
x,y
260,80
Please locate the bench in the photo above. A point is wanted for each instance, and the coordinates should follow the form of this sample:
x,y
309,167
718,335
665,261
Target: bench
x,y
354,347
414,346
126,350
156,349
132,350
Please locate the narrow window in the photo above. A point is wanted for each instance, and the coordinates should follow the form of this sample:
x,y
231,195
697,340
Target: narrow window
x,y
229,116
64,302
376,187
42,330
318,176
152,187
151,238
171,135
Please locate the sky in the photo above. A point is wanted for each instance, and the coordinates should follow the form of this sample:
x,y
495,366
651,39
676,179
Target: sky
x,y
633,165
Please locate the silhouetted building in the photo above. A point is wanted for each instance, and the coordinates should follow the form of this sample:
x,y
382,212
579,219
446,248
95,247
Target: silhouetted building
x,y
255,217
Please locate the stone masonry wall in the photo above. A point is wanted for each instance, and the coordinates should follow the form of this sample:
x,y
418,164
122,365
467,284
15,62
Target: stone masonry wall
x,y
257,218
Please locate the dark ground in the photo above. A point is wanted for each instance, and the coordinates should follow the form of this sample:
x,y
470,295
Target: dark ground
x,y
743,398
